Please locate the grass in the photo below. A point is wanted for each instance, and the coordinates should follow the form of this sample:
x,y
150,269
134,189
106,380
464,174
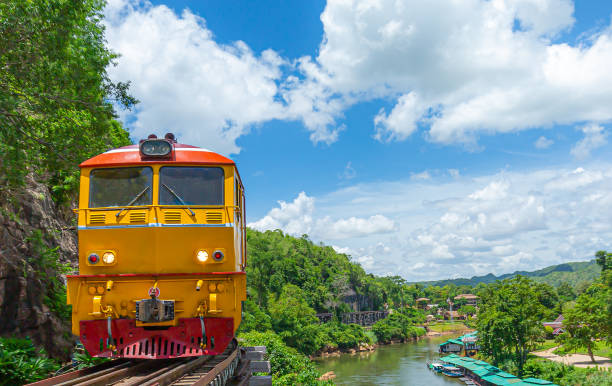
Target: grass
x,y
600,350
548,343
446,327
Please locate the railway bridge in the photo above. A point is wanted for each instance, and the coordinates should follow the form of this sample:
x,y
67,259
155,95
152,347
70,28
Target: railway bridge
x,y
362,318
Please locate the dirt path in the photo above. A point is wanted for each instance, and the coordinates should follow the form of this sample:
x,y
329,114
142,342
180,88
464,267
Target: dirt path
x,y
578,360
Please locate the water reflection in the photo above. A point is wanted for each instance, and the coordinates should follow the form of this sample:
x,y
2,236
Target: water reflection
x,y
399,364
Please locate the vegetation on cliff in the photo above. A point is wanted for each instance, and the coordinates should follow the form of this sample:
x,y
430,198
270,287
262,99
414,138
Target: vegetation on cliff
x,y
56,110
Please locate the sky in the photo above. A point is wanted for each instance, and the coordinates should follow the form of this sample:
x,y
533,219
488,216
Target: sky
x,y
430,140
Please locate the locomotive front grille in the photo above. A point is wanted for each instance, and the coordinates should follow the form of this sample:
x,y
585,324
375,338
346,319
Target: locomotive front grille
x,y
97,218
138,217
214,217
172,217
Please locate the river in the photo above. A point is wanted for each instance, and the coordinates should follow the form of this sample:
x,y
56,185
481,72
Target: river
x,y
396,364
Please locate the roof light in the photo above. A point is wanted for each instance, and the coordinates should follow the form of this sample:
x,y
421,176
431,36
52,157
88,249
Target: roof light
x,y
155,148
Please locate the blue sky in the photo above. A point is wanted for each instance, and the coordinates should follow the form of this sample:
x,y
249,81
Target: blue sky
x,y
424,141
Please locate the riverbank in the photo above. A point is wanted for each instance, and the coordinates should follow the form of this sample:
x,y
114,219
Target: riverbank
x,y
437,330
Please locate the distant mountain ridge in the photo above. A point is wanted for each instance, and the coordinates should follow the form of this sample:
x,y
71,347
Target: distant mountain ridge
x,y
573,273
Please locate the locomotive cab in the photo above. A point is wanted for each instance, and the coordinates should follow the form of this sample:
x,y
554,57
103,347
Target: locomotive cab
x,y
162,252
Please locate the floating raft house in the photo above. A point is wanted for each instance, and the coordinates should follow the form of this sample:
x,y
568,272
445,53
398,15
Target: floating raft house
x,y
489,375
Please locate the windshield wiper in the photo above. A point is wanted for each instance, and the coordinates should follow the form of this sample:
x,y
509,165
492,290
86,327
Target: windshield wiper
x,y
179,198
133,201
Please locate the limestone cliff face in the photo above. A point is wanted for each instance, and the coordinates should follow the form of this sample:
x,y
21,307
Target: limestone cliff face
x,y
25,273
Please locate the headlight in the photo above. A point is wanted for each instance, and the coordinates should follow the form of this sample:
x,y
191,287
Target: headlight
x,y
101,258
108,258
202,256
155,148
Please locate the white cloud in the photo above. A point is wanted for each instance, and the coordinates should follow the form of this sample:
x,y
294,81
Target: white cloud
x,y
206,93
441,228
453,173
298,218
349,172
456,69
424,175
460,69
543,143
294,218
595,136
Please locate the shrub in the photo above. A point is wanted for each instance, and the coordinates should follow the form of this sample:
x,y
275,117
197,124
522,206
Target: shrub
x,y
288,367
397,326
345,336
21,362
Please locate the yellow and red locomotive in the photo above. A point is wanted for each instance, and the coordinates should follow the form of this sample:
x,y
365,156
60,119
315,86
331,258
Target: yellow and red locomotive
x,y
162,252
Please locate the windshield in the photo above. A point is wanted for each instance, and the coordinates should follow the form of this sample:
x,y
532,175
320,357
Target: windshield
x,y
185,185
120,186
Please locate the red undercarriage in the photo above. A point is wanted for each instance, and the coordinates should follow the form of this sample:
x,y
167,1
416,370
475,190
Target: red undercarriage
x,y
174,342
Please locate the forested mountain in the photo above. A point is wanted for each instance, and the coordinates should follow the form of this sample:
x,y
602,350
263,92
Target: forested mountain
x,y
576,273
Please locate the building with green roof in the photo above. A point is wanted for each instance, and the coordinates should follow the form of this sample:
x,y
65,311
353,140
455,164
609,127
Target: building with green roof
x,y
489,375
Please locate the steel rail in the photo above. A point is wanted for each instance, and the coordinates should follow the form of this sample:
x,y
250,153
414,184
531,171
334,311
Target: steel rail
x,y
203,370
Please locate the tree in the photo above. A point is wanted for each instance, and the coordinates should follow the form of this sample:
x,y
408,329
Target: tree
x,y
467,310
295,321
566,292
509,320
604,259
587,320
55,95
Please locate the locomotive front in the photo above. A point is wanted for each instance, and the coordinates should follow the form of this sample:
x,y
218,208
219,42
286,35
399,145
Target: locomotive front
x,y
162,252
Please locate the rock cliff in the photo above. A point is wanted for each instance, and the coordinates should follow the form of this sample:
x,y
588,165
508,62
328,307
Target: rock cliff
x,y
37,243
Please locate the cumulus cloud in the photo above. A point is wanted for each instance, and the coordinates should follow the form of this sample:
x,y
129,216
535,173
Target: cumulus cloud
x,y
298,218
467,226
543,143
294,218
207,93
454,69
461,69
595,136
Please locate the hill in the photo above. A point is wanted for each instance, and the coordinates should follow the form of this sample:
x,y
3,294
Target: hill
x,y
573,273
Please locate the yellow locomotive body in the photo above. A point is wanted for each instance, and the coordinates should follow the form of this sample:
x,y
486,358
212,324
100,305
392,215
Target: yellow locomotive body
x,y
162,252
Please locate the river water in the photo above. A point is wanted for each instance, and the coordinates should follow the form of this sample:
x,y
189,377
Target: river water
x,y
396,364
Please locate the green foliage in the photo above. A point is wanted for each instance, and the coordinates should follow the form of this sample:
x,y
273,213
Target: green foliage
x,y
509,321
467,310
291,279
254,319
288,367
21,362
345,336
587,320
55,95
566,292
47,265
566,375
397,326
82,359
295,321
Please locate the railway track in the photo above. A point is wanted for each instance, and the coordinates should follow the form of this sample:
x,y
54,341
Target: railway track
x,y
217,370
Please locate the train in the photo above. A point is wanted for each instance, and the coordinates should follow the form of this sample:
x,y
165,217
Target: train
x,y
161,251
